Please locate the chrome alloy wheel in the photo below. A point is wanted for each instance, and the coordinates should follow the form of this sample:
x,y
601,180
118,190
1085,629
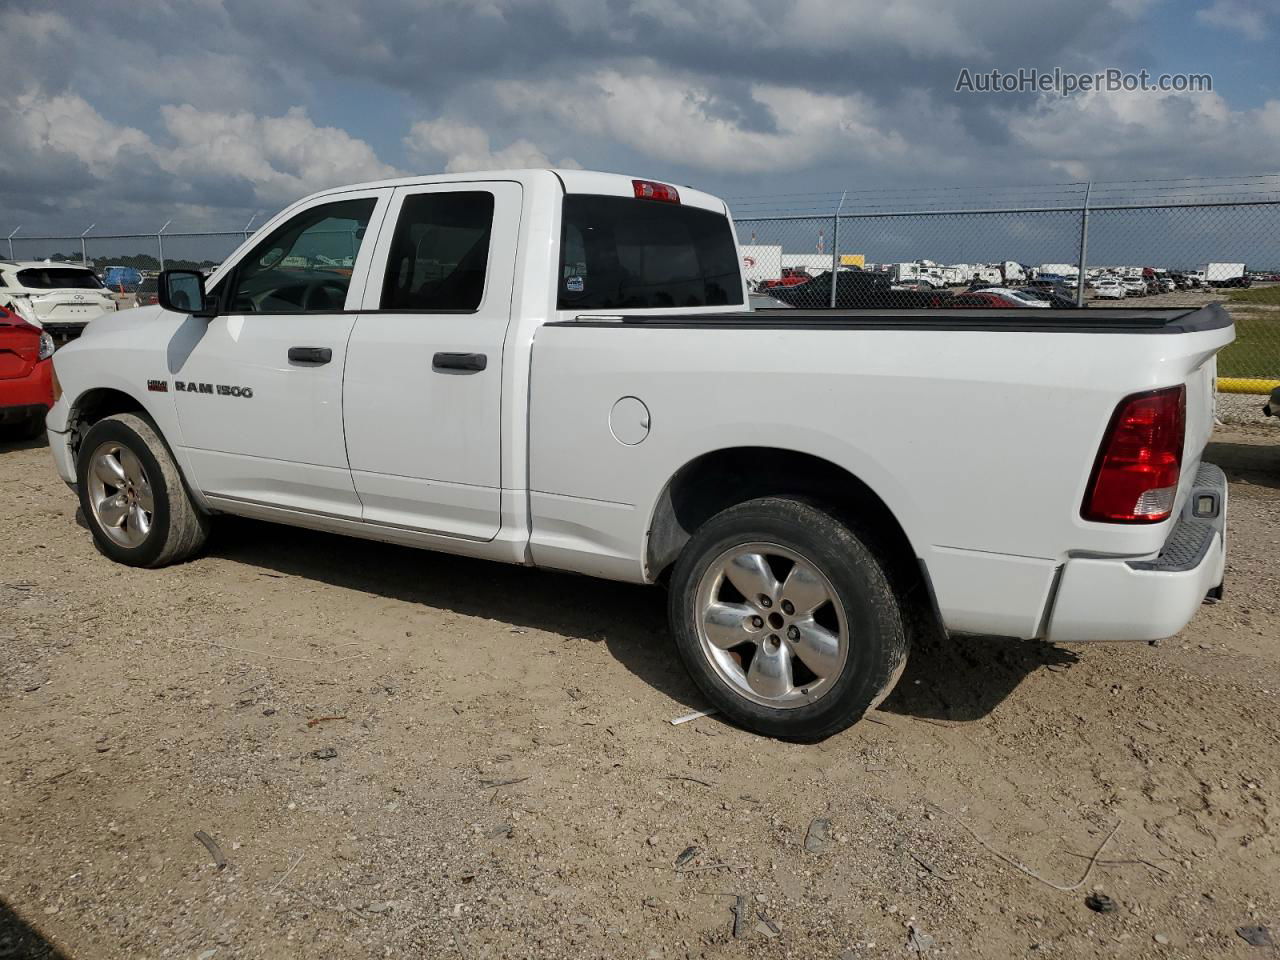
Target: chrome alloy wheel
x,y
771,626
120,494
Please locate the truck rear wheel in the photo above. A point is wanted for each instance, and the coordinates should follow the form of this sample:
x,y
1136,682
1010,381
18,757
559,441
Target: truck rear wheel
x,y
132,495
785,620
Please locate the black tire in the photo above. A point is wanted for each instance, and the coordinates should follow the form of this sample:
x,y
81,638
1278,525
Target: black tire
x,y
178,528
877,637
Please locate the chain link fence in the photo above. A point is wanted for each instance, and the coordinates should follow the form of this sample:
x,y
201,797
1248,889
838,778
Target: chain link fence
x,y
1132,255
145,252
1149,244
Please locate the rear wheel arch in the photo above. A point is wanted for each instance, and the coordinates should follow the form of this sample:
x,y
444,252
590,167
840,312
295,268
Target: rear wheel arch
x,y
723,478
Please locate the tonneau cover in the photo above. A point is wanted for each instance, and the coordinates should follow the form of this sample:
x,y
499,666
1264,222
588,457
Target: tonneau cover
x,y
1090,320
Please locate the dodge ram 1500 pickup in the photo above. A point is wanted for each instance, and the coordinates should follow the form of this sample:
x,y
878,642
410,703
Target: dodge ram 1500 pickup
x,y
558,369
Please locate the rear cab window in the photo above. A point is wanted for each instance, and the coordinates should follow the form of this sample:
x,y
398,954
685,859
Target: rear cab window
x,y
58,278
620,253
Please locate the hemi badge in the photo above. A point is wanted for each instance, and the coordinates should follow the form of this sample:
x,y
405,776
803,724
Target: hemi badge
x,y
158,386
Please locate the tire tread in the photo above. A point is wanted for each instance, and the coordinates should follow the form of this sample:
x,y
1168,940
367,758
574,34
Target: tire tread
x,y
809,522
188,525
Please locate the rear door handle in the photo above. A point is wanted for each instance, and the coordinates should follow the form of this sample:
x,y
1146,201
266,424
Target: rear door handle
x,y
313,355
459,361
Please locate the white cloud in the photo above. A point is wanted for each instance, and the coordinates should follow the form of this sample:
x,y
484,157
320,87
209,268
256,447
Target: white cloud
x,y
67,125
679,120
58,152
1237,15
466,147
282,157
1131,134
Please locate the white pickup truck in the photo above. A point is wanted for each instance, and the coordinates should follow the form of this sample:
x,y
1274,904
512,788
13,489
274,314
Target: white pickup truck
x,y
556,369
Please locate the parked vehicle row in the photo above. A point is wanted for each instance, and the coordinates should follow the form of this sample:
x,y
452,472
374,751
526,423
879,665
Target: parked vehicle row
x,y
924,276
864,289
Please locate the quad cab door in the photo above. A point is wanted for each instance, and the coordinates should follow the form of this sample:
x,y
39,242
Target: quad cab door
x,y
258,388
422,403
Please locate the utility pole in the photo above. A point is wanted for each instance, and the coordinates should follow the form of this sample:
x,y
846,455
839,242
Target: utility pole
x,y
10,239
835,249
1084,244
160,241
84,253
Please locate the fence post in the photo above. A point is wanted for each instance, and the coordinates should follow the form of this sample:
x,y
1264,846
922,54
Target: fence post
x,y
84,253
160,241
835,248
10,238
1084,245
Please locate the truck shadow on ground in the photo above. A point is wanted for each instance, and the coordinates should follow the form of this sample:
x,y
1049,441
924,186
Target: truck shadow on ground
x,y
956,679
20,940
1247,463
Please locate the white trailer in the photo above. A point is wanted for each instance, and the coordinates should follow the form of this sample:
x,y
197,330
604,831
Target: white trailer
x,y
1012,272
1224,274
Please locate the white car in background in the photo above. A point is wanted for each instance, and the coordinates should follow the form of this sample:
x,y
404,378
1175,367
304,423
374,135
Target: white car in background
x,y
59,297
1108,288
1134,287
1017,298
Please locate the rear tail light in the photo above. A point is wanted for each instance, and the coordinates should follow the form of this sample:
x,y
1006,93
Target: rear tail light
x,y
1136,477
651,190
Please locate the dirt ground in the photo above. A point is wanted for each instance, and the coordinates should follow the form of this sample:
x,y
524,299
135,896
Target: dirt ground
x,y
402,754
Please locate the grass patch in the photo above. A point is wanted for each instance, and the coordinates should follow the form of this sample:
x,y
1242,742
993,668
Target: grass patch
x,y
1256,350
1264,295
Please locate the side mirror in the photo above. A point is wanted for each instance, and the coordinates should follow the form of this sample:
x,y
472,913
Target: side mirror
x,y
183,292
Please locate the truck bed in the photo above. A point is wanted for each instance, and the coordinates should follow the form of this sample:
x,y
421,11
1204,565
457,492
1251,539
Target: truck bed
x,y
1091,320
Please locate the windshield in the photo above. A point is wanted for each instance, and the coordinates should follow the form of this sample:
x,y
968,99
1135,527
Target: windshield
x,y
58,278
618,252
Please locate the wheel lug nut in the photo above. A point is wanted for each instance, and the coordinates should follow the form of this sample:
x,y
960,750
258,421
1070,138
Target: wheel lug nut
x,y
788,608
793,633
765,602
757,622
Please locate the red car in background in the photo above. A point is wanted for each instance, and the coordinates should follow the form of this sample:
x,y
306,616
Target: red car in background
x,y
979,301
791,277
26,377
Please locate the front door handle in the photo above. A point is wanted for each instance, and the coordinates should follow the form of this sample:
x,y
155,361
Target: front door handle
x,y
459,361
312,355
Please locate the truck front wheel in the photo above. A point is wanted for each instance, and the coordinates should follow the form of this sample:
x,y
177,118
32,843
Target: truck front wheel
x,y
785,619
133,497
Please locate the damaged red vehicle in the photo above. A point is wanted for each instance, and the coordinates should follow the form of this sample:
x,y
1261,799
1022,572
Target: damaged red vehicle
x,y
26,377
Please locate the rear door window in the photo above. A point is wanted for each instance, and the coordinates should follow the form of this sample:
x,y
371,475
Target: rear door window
x,y
440,252
619,253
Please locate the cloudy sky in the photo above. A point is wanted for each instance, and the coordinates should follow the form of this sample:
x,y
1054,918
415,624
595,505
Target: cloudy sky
x,y
206,111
